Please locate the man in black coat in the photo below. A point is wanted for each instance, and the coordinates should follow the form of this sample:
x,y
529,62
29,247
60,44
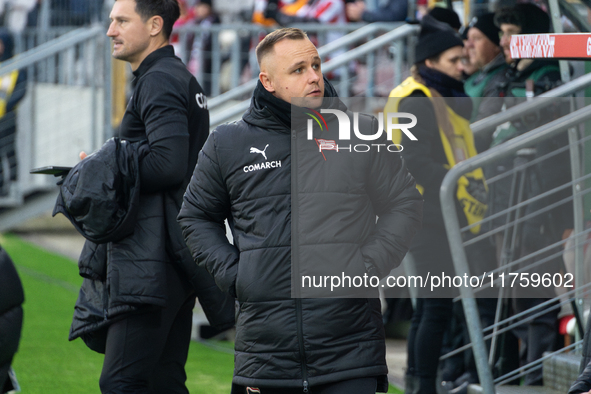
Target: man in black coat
x,y
138,308
294,210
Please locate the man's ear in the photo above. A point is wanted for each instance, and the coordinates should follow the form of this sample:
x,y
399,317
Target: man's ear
x,y
156,24
264,78
428,63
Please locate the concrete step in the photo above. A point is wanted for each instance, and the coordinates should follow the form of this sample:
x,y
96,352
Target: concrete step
x,y
477,389
561,370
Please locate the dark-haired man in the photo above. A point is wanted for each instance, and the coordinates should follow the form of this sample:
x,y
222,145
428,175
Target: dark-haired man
x,y
139,313
289,203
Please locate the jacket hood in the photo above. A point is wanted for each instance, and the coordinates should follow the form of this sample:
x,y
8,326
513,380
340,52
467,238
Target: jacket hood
x,y
269,112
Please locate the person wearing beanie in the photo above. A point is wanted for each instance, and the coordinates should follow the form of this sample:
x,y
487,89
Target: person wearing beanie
x,y
486,55
538,335
435,95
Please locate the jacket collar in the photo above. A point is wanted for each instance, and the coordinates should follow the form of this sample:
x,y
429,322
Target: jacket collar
x,y
498,61
148,62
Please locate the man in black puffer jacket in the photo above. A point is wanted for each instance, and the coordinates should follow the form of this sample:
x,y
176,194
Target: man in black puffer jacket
x,y
135,304
291,208
11,317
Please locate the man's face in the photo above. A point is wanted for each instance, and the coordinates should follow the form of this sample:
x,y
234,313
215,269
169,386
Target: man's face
x,y
130,34
468,67
449,63
481,50
292,69
508,30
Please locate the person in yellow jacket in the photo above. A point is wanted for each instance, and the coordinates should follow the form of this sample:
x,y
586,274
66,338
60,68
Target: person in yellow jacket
x,y
434,93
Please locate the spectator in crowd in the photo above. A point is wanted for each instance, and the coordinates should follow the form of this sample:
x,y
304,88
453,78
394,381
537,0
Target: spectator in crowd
x,y
199,58
12,90
435,95
11,318
484,86
202,48
285,344
387,11
450,17
541,230
137,308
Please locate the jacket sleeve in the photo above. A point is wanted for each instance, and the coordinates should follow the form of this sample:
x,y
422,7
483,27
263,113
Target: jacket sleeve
x,y
206,205
399,207
163,108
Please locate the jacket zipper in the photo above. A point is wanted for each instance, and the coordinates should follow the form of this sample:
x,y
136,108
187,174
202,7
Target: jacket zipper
x,y
301,343
294,260
107,283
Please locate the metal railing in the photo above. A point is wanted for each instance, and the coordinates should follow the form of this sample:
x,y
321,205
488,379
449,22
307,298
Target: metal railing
x,y
565,124
367,52
66,108
208,50
564,90
343,43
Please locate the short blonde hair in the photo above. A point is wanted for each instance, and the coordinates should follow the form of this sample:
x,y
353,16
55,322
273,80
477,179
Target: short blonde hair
x,y
267,44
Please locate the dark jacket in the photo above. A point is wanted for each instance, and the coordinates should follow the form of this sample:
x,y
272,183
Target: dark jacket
x,y
100,195
168,109
11,313
126,271
292,206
